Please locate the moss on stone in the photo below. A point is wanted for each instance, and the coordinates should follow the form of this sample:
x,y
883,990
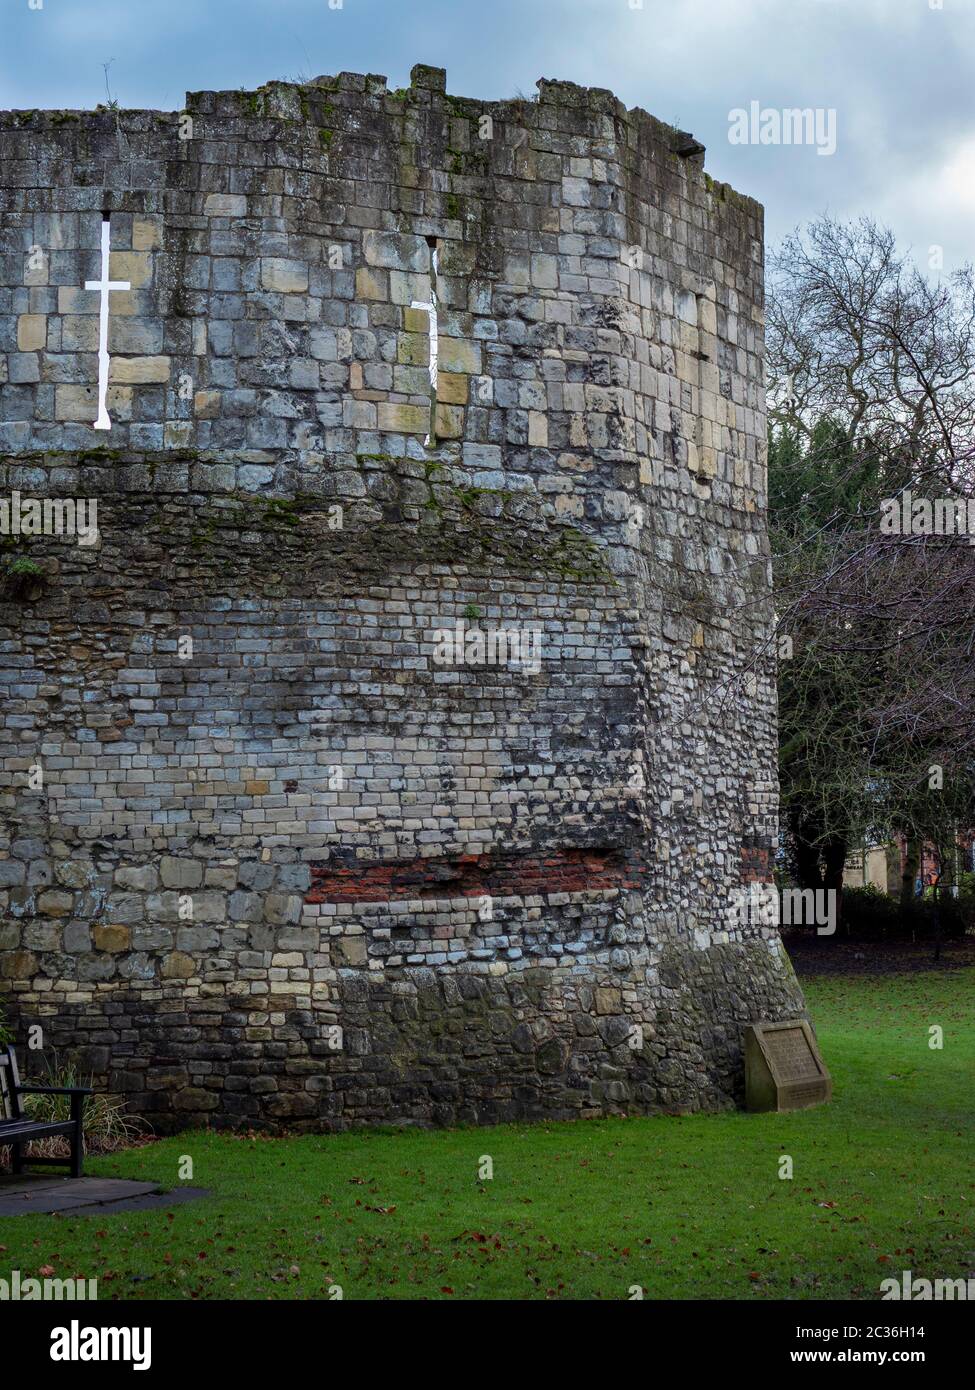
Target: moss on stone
x,y
252,102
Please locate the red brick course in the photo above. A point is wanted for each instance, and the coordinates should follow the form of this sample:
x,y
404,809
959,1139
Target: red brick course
x,y
474,875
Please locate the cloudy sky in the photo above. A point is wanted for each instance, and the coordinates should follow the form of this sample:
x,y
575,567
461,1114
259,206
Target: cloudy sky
x,y
897,73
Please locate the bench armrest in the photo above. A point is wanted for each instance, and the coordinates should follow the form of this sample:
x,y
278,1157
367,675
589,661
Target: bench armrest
x,y
56,1090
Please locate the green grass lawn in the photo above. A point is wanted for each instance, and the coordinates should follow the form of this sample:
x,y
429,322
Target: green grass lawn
x,y
685,1207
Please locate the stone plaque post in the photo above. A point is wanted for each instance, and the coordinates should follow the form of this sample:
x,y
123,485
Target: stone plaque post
x,y
783,1068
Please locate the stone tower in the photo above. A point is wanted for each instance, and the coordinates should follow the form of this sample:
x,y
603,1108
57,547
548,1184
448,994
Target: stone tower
x,y
399,747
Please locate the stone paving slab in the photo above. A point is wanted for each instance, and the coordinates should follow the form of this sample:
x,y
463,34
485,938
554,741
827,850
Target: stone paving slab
x,y
26,1194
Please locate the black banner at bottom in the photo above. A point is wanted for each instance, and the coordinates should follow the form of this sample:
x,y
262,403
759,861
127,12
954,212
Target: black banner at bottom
x,y
233,1338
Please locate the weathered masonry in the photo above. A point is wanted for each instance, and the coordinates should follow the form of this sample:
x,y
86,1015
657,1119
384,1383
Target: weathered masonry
x,y
399,747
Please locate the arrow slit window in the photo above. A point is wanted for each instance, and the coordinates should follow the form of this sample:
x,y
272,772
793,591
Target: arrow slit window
x,y
429,306
104,285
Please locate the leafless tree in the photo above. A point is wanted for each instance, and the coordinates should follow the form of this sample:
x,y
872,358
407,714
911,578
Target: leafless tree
x,y
872,399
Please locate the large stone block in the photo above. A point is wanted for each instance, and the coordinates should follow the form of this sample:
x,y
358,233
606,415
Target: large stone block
x,y
285,276
225,205
111,938
31,332
138,371
395,252
133,266
180,872
410,419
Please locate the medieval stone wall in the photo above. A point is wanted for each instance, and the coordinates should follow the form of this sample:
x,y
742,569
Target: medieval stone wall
x,y
273,848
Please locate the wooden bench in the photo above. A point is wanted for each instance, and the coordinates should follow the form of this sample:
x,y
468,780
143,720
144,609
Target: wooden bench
x,y
17,1129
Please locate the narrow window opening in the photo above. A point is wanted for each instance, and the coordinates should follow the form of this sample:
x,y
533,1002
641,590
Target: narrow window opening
x,y
104,286
430,308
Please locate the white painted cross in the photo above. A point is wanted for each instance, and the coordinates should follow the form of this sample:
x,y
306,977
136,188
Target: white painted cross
x,y
434,331
105,285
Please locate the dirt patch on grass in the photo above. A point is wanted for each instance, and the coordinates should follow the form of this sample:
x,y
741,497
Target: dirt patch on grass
x,y
823,955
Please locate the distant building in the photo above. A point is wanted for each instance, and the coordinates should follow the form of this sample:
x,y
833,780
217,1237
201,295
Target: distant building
x,y
882,866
